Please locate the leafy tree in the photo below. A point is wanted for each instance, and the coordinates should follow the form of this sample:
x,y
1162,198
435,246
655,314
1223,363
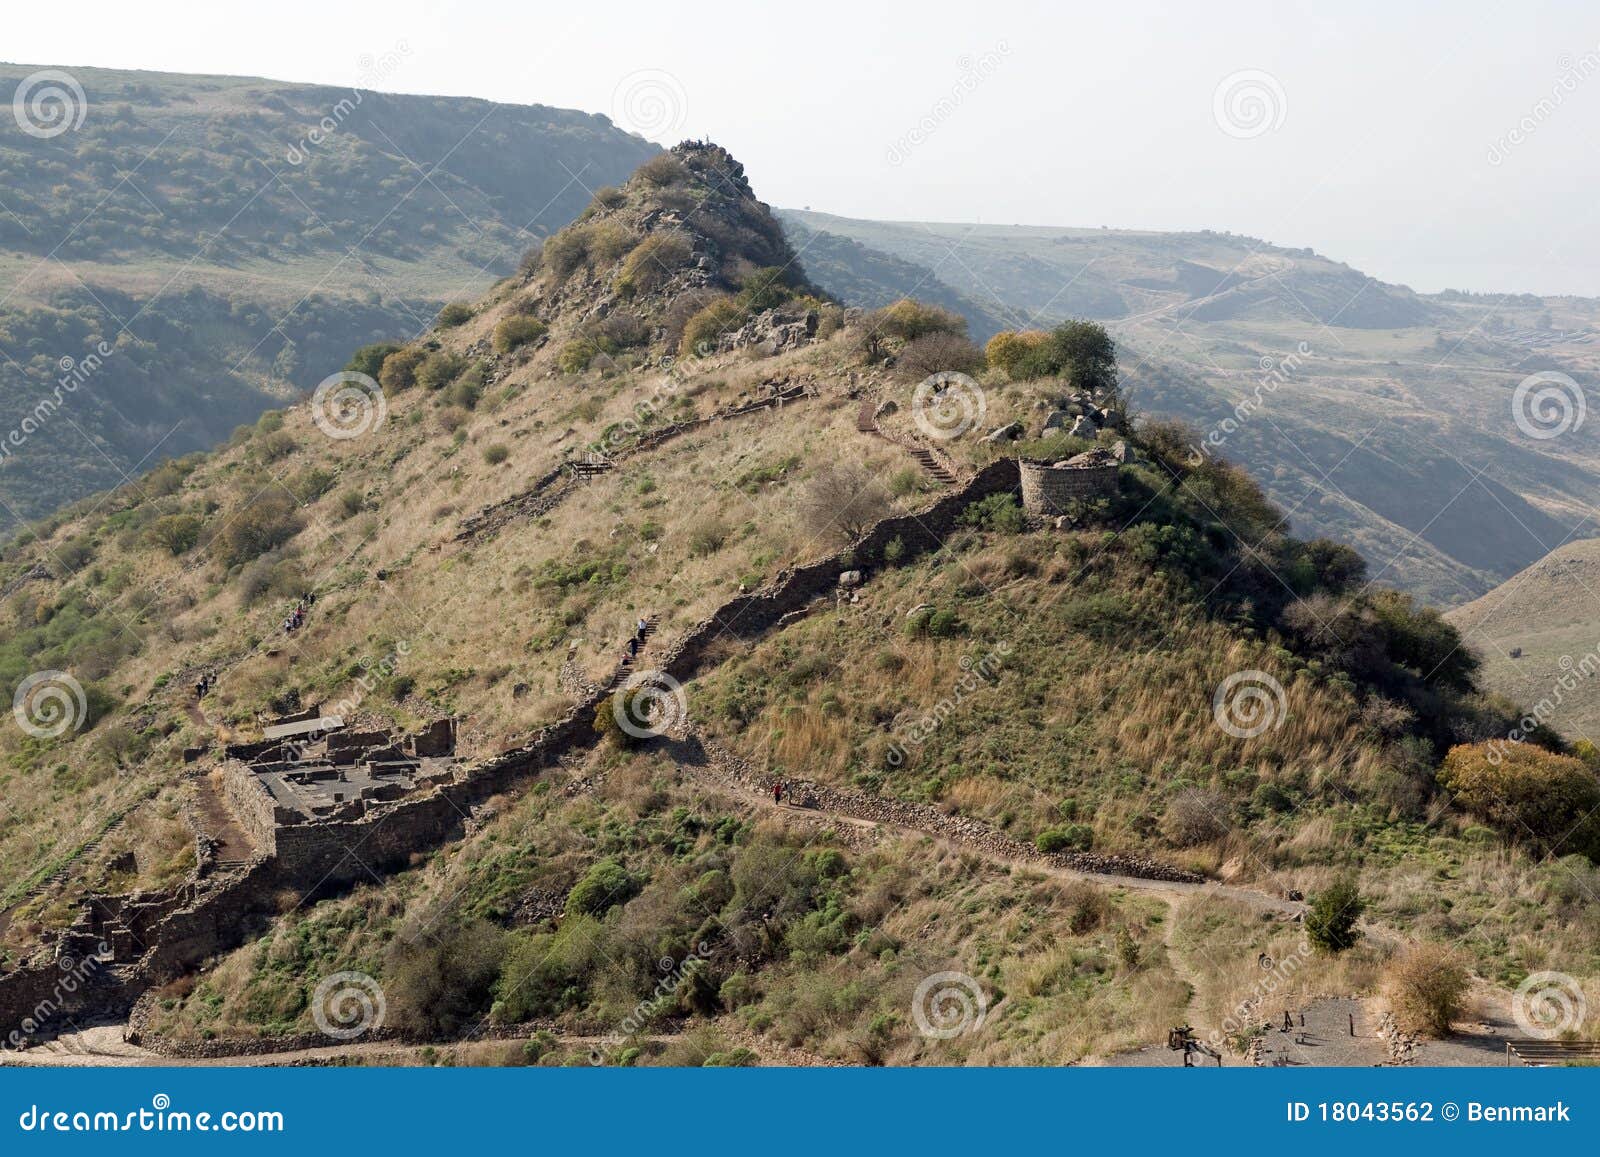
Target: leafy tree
x,y
1331,920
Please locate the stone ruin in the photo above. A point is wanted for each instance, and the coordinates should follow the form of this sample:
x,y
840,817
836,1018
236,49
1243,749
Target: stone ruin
x,y
1052,488
310,768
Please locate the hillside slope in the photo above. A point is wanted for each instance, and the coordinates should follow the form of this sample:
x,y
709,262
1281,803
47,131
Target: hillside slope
x,y
1380,416
646,666
197,248
1539,635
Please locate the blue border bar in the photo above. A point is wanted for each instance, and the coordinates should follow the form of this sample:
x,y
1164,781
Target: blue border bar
x,y
809,1112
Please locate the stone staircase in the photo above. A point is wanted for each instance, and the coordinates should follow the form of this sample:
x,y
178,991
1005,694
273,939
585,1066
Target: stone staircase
x,y
931,467
626,667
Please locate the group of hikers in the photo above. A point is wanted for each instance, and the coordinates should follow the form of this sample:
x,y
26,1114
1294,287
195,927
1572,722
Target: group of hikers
x,y
297,619
203,685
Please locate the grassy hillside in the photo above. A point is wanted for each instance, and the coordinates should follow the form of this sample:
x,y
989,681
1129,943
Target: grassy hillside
x,y
1538,634
1369,412
980,738
231,239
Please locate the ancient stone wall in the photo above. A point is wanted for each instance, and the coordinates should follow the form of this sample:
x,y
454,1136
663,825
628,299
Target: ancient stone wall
x,y
251,803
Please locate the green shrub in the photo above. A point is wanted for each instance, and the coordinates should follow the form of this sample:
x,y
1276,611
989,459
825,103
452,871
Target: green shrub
x,y
454,314
270,520
653,261
605,885
496,453
1527,793
369,359
439,369
1331,919
701,331
999,512
517,330
400,369
908,320
177,533
1066,838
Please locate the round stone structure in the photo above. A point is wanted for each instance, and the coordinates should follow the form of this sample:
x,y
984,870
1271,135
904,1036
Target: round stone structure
x,y
1051,489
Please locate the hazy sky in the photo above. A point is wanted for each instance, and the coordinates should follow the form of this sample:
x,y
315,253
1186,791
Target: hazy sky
x,y
1437,144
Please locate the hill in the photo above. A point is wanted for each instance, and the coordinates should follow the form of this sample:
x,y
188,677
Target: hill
x,y
195,249
648,664
1371,413
1537,634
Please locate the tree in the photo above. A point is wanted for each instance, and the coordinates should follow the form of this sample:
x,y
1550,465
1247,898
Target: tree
x,y
1080,351
843,503
1331,921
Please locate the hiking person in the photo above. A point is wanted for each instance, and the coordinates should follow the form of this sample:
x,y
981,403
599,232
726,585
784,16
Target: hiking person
x,y
777,791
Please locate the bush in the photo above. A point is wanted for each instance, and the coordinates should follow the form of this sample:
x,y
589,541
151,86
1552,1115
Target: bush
x,y
454,314
935,353
517,330
1066,838
1331,919
708,536
177,533
439,369
1525,792
998,512
577,354
701,331
269,521
369,359
1008,349
605,885
440,981
400,369
496,453
662,170
653,261
908,320
1426,985
1080,351
1195,816
276,445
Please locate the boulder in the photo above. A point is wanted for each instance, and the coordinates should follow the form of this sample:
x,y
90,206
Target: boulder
x,y
850,578
1007,433
1084,427
1056,420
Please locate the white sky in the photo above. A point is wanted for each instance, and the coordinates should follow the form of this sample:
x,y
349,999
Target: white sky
x,y
1091,114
